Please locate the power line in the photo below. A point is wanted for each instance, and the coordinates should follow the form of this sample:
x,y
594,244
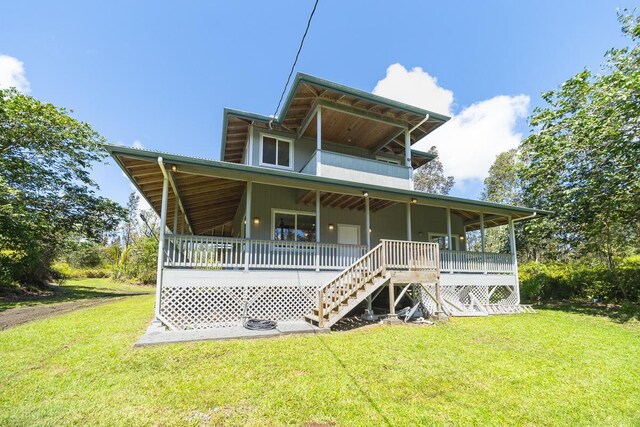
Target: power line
x,y
297,55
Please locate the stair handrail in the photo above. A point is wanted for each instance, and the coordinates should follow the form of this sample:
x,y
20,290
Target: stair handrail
x,y
375,262
374,266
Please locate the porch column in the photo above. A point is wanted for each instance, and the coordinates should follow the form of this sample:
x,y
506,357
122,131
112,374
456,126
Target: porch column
x,y
250,150
174,230
317,230
163,222
450,241
483,243
247,226
367,221
319,141
512,244
407,155
409,221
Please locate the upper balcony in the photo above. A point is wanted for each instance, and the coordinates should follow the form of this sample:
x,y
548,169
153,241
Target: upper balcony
x,y
331,164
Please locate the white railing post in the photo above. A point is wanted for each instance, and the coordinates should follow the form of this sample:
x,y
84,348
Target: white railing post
x,y
247,229
319,141
161,242
483,244
450,240
318,230
367,220
514,255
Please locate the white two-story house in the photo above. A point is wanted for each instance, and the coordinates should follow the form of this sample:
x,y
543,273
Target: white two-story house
x,y
312,213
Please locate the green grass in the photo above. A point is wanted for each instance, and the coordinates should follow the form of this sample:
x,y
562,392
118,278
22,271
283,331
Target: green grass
x,y
78,289
553,368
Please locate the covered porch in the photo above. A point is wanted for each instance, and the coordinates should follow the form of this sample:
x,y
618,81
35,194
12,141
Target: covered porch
x,y
220,216
227,253
241,241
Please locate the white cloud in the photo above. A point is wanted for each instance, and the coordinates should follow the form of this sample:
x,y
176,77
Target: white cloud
x,y
12,74
469,143
137,144
415,87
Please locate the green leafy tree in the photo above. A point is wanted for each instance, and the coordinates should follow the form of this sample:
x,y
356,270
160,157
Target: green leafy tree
x,y
582,159
45,161
502,185
430,177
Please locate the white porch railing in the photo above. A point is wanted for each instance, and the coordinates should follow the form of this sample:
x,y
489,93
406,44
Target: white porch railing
x,y
401,254
222,253
218,253
475,262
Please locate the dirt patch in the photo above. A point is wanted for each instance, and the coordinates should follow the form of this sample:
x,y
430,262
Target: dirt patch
x,y
20,315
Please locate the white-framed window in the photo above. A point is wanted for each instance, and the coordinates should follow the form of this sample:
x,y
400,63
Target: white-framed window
x,y
442,240
293,226
388,160
276,151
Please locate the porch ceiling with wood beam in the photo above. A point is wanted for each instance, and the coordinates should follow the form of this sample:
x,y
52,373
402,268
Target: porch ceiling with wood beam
x,y
211,191
344,201
209,202
350,117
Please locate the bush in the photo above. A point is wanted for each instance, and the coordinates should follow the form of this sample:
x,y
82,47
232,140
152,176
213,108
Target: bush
x,y
549,282
64,271
138,262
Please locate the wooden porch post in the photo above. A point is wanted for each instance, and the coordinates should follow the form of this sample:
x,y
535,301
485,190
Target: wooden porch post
x,y
247,226
367,221
250,150
483,243
174,230
407,148
407,154
163,222
317,230
449,241
409,221
319,141
512,244
392,298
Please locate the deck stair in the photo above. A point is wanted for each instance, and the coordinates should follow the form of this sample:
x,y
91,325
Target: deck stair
x,y
369,273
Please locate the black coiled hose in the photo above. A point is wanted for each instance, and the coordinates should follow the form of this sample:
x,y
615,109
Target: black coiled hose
x,y
260,324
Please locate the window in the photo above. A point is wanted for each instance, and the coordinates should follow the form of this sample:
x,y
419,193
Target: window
x,y
441,240
294,226
275,151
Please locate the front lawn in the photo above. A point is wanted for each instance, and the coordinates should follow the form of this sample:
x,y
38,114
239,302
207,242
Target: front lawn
x,y
77,289
553,368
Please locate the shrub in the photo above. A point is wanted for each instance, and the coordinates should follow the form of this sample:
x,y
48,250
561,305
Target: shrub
x,y
63,271
559,281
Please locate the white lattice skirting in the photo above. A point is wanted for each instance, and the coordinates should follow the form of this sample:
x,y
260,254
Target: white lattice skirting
x,y
214,306
469,299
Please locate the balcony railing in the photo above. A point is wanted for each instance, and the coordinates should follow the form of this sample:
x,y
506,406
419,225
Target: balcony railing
x,y
218,253
358,169
475,262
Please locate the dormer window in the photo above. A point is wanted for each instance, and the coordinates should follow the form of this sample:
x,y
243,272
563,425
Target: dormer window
x,y
276,152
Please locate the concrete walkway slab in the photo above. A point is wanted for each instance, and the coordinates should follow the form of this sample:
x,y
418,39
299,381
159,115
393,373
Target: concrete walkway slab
x,y
159,335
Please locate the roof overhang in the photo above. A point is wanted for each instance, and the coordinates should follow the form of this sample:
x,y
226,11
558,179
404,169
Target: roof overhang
x,y
211,190
352,117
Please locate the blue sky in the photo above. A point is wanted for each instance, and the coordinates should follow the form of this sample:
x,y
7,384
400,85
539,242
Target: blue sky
x,y
160,73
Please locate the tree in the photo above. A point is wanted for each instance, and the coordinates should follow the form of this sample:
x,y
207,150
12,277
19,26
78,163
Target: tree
x,y
45,161
430,177
502,185
583,155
